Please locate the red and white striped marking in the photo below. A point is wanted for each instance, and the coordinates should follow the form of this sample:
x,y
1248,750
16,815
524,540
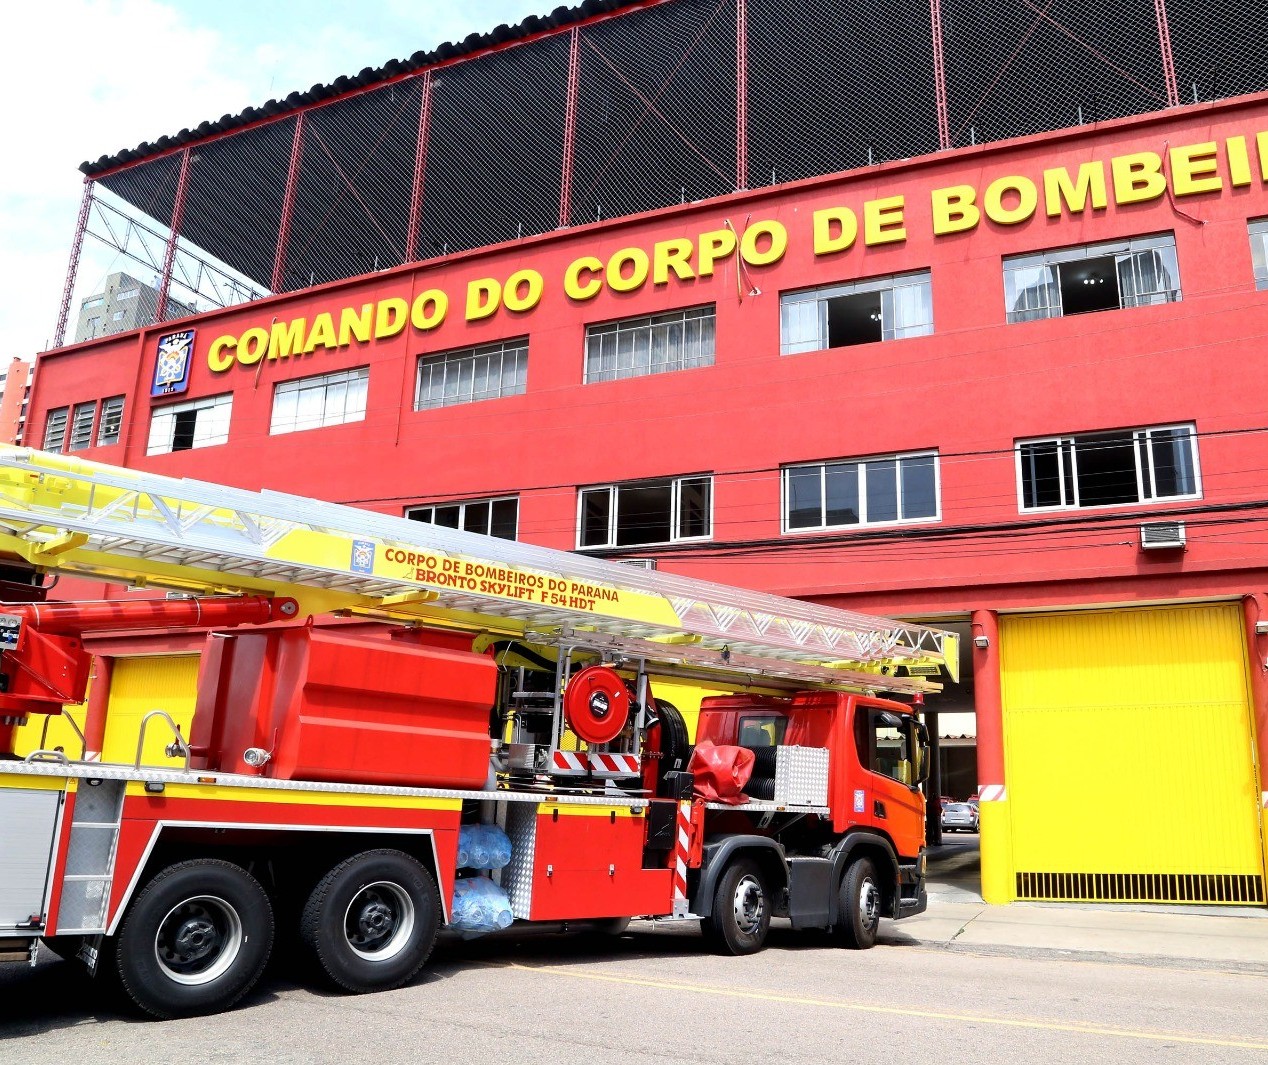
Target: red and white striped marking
x,y
595,762
992,793
1265,798
682,847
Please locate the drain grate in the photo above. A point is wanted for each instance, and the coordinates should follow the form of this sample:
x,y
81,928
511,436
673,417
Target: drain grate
x,y
1212,888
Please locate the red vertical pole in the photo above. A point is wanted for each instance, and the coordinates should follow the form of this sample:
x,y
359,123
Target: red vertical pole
x,y
1168,61
178,214
72,268
741,94
420,171
288,205
940,77
570,128
989,704
1255,611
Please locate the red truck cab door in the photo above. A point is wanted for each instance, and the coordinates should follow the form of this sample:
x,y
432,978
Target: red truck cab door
x,y
890,750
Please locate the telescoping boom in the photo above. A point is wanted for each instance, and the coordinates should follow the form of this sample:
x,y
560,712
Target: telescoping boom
x,y
82,518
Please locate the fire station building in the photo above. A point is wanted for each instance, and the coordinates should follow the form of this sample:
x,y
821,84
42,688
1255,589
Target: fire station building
x,y
845,311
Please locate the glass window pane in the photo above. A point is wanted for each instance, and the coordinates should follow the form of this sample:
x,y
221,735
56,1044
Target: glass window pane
x,y
449,516
1041,475
803,499
1173,468
693,507
1106,469
475,517
799,325
841,487
596,510
505,518
882,490
920,492
644,514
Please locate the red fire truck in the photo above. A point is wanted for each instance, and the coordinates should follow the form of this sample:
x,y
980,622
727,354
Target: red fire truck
x,y
376,699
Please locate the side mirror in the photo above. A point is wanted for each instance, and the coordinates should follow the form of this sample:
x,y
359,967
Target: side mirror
x,y
922,752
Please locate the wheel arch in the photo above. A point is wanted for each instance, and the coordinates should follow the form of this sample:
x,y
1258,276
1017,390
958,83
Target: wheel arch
x,y
718,854
877,847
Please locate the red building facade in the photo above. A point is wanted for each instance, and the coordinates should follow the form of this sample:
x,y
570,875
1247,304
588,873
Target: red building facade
x,y
977,387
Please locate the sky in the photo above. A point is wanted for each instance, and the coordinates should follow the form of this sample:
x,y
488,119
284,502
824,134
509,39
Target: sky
x,y
88,78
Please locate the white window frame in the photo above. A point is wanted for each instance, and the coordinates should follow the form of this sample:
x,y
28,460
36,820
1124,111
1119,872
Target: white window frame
x,y
862,464
56,423
661,343
83,417
210,430
320,401
1068,473
110,423
461,372
1048,304
1258,229
803,315
416,513
675,485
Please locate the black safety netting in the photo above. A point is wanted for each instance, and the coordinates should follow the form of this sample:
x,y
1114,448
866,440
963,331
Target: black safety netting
x,y
495,148
353,184
827,88
150,186
656,105
1015,68
834,87
237,187
1220,48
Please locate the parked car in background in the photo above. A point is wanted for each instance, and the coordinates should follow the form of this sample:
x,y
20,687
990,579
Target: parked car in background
x,y
945,800
959,817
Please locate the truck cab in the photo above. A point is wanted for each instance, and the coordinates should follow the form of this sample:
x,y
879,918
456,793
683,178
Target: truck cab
x,y
862,857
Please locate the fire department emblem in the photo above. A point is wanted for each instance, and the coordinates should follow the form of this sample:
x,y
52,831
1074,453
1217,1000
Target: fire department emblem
x,y
362,556
171,366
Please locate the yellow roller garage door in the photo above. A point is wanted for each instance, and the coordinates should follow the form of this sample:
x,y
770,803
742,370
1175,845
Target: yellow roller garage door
x,y
1129,756
139,685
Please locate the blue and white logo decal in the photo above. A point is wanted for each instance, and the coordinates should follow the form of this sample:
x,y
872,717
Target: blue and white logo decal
x,y
362,556
171,366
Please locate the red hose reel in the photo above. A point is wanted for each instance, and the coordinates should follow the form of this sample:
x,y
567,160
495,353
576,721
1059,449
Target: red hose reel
x,y
597,704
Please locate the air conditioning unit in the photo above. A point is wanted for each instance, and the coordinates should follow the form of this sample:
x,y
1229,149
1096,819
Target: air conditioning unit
x,y
638,563
1162,536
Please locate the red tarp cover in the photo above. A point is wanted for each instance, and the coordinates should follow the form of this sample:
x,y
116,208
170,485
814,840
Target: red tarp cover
x,y
721,772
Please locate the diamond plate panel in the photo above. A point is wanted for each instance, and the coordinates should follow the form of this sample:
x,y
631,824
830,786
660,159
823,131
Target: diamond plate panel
x,y
91,850
801,776
83,906
517,877
98,802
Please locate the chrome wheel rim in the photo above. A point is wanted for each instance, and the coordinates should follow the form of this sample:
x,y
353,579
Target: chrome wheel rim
x,y
198,940
379,921
869,903
748,904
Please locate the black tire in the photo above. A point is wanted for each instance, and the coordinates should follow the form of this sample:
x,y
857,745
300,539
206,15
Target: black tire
x,y
675,744
194,940
860,905
371,922
741,910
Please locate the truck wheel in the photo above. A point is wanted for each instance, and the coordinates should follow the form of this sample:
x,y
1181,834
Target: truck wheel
x,y
194,940
371,922
741,911
860,904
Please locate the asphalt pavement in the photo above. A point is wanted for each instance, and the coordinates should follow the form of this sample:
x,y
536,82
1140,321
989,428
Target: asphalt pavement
x,y
958,919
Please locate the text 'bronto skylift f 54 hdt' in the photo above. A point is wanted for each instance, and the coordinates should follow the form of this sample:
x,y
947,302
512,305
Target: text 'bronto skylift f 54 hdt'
x,y
378,728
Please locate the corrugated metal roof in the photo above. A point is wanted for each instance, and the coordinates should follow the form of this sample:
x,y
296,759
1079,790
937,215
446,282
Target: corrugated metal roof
x,y
503,35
